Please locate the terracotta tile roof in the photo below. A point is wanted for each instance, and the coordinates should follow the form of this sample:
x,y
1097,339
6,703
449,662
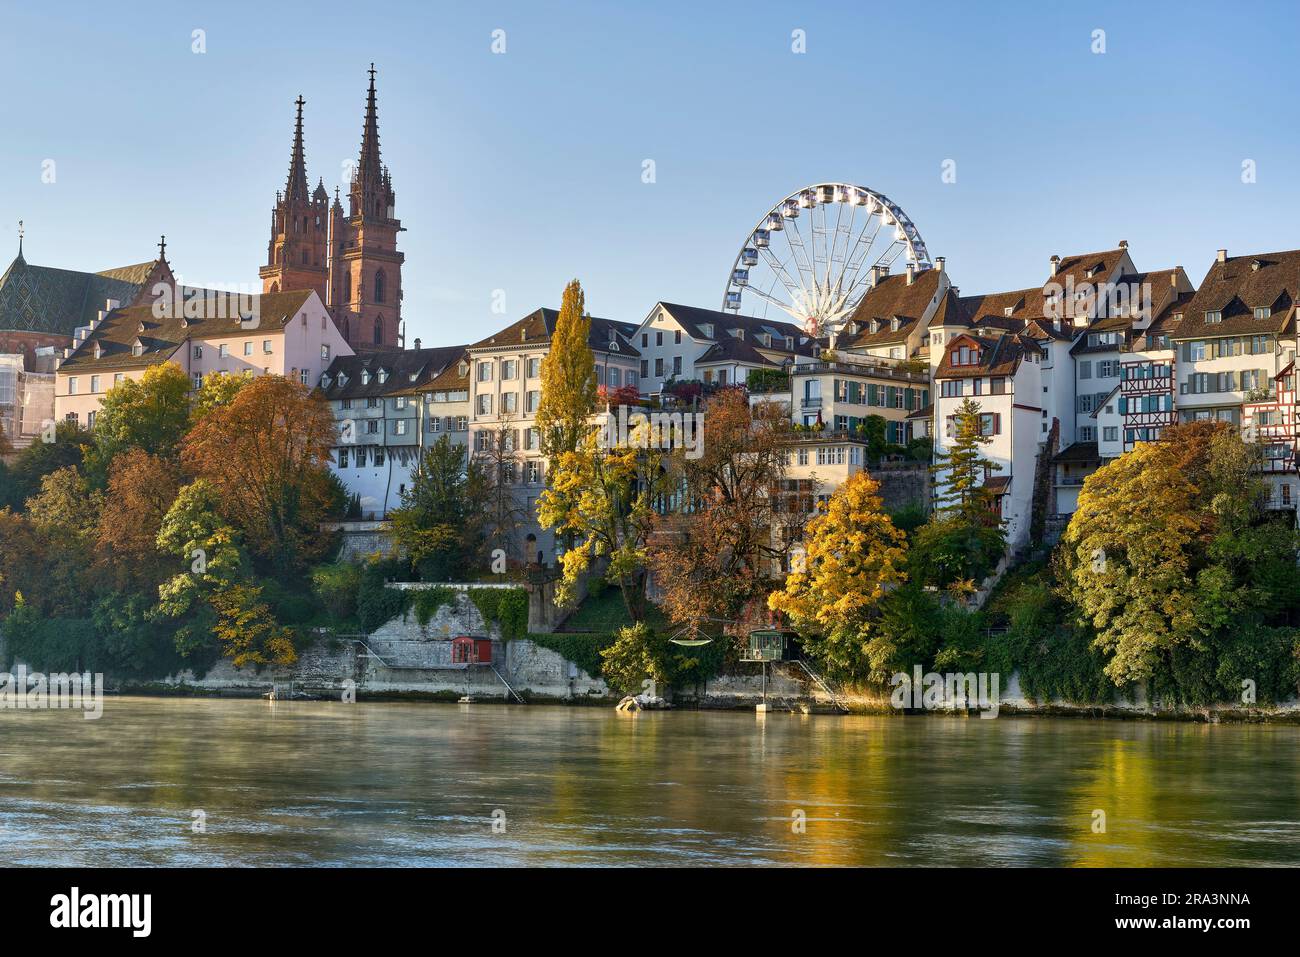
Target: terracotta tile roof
x,y
892,296
950,311
1022,303
1239,285
861,336
999,356
160,338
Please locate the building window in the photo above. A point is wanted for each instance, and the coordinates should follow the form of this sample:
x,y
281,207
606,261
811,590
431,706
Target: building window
x,y
198,381
485,405
659,366
303,376
485,372
508,402
1212,316
1110,433
509,368
399,427
1263,312
324,351
379,286
223,351
1087,433
534,367
462,423
645,368
266,347
372,427
248,348
532,400
343,458
94,384
533,472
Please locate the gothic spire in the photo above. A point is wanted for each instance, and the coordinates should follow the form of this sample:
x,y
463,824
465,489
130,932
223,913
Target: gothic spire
x,y
368,168
296,188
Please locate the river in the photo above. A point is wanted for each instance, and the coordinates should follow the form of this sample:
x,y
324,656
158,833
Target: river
x,y
308,783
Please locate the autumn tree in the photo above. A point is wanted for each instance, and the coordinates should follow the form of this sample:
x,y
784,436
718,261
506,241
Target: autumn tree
x,y
141,489
1173,560
568,378
717,552
22,479
602,496
568,386
853,557
266,455
66,504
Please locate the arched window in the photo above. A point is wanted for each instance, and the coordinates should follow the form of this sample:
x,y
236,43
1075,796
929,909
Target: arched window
x,y
379,332
347,287
379,286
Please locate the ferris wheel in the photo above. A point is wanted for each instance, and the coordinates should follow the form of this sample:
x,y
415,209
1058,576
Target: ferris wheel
x,y
812,254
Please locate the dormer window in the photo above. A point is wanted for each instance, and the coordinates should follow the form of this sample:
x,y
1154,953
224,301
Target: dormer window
x,y
99,351
365,377
965,356
707,329
343,379
1008,310
895,323
1213,315
875,326
462,369
324,380
1263,312
383,376
137,348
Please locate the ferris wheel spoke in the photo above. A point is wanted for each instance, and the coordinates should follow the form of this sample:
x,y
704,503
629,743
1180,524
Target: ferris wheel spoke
x,y
792,285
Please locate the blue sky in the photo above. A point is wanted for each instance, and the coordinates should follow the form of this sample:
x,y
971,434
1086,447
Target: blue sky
x,y
519,171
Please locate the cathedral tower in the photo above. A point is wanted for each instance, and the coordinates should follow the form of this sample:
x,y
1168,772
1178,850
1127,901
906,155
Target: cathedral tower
x,y
296,253
367,280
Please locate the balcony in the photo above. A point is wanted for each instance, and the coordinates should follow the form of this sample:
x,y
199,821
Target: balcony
x,y
810,404
900,370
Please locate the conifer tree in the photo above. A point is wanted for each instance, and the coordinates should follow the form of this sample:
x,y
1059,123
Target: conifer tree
x,y
963,470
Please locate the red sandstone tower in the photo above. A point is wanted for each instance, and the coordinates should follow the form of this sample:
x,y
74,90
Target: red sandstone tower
x,y
350,259
296,256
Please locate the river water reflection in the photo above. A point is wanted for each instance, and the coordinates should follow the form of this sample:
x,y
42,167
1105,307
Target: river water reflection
x,y
407,784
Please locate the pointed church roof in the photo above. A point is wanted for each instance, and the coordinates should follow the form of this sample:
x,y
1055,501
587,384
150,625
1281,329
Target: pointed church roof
x,y
369,166
296,188
57,301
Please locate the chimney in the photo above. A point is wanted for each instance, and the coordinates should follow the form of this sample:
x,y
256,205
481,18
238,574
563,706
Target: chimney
x,y
1056,264
417,342
1123,244
940,261
911,273
1222,256
1173,276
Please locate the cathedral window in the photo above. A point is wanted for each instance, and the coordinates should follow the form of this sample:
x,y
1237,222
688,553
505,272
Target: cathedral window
x,y
379,286
379,332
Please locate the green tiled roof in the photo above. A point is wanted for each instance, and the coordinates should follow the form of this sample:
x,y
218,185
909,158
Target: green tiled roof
x,y
44,299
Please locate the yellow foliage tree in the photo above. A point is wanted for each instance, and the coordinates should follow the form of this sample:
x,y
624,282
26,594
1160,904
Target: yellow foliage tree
x,y
853,556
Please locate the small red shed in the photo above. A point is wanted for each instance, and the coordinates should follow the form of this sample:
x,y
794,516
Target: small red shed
x,y
471,651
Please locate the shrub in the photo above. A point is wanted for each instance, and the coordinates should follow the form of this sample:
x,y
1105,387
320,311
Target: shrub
x,y
336,587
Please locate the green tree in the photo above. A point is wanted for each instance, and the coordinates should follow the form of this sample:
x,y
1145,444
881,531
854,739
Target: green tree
x,y
150,413
963,469
439,525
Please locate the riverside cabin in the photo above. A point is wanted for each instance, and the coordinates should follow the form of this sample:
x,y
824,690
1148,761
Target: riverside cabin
x,y
471,651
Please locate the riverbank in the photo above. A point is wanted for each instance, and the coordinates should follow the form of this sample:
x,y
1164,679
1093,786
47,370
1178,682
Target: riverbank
x,y
539,676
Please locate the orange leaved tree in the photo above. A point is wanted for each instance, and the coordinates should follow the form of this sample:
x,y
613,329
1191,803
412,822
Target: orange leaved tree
x,y
266,453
